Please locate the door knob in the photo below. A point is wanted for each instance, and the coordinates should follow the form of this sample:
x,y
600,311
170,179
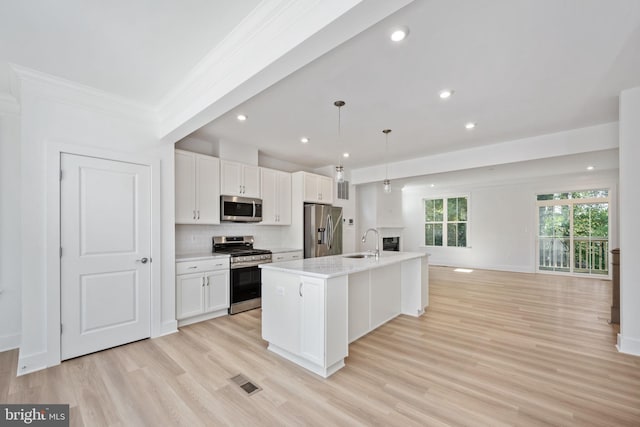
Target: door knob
x,y
143,260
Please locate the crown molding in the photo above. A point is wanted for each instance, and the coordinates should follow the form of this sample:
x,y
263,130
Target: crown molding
x,y
49,86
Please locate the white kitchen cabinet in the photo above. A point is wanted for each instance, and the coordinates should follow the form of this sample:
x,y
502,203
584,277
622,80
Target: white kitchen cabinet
x,y
202,290
317,188
312,331
197,188
306,320
238,179
287,256
276,197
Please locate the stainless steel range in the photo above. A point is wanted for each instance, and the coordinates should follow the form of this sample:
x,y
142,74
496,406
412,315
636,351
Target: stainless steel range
x,y
246,280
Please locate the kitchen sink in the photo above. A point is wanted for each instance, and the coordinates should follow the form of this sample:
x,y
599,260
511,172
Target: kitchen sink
x,y
359,256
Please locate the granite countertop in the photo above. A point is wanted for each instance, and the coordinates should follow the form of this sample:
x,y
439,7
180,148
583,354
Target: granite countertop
x,y
199,256
340,265
281,250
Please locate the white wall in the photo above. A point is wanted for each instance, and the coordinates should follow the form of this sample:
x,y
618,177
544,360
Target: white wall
x,y
10,242
502,218
629,337
55,112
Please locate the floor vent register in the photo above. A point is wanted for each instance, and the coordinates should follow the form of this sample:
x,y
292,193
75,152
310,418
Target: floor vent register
x,y
249,387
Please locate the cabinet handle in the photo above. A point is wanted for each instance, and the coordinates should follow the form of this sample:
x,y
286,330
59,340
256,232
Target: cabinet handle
x,y
207,279
194,214
191,268
198,214
300,289
202,281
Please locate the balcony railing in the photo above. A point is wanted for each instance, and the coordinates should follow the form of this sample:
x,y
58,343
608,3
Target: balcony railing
x,y
590,255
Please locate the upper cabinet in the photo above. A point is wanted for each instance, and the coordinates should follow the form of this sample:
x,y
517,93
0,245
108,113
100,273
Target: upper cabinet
x,y
276,197
197,188
317,188
238,179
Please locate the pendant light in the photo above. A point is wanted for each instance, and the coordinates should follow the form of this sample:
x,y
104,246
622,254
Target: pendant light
x,y
339,168
386,183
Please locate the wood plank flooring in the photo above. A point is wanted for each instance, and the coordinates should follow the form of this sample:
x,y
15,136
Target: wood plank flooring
x,y
494,349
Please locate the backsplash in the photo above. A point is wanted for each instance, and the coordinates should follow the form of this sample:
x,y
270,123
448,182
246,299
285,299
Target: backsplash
x,y
197,238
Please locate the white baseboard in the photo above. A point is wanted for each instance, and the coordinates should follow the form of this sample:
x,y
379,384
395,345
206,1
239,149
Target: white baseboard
x,y
628,345
32,363
9,342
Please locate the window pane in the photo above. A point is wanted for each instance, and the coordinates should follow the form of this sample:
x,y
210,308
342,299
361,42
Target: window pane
x,y
433,210
433,234
452,234
437,230
462,234
462,209
452,209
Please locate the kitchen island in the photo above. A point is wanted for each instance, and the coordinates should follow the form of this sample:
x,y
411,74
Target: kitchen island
x,y
313,308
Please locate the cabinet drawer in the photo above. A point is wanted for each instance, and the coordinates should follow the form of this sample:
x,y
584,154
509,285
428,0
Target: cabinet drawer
x,y
197,266
286,256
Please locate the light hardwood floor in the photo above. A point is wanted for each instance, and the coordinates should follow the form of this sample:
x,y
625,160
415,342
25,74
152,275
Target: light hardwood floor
x,y
493,349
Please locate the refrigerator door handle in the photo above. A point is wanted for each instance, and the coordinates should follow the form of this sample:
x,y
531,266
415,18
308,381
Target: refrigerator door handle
x,y
330,231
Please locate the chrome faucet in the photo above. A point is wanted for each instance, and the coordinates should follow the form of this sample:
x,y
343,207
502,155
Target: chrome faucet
x,y
364,239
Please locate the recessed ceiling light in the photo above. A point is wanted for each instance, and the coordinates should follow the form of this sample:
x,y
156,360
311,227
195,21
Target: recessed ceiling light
x,y
470,125
242,117
399,34
432,185
445,93
345,155
304,139
590,168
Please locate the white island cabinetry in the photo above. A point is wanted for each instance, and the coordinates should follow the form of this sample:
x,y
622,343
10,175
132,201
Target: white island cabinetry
x,y
313,308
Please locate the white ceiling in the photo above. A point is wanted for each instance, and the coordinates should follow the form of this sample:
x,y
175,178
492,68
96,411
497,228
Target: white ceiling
x,y
137,49
518,67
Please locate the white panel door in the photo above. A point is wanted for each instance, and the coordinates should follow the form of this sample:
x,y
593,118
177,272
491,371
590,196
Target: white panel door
x,y
105,219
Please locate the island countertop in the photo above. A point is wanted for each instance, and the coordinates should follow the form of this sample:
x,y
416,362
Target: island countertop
x,y
340,265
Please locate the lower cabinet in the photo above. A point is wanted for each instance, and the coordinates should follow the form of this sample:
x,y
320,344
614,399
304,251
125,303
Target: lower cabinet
x,y
312,331
304,319
202,295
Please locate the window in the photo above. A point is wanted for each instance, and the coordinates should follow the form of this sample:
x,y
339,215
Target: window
x,y
446,222
573,232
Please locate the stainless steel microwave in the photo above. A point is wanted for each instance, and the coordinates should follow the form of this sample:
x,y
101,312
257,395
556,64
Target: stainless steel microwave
x,y
240,209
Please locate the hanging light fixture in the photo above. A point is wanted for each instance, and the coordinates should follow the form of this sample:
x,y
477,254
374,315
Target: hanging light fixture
x,y
339,168
386,183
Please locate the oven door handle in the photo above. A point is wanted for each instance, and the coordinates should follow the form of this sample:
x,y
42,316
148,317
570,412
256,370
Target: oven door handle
x,y
254,208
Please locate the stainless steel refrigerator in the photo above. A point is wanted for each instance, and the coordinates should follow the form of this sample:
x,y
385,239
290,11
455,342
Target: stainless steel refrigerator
x,y
322,230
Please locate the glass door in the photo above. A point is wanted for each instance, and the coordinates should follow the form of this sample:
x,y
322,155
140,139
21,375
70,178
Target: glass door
x,y
554,238
573,232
